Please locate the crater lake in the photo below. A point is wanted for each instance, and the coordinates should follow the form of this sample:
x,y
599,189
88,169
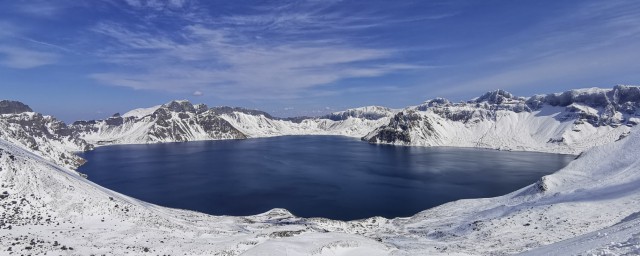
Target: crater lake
x,y
312,176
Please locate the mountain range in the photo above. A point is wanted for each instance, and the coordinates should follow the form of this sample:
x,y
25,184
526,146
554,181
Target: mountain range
x,y
567,122
589,207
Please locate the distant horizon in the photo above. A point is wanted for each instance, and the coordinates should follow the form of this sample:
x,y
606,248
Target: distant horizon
x,y
85,59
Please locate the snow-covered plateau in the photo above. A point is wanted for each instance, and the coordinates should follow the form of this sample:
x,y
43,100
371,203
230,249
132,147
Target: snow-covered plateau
x,y
592,206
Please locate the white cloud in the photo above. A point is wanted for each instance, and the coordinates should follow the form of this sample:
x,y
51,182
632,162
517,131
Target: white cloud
x,y
157,5
197,93
594,41
226,63
43,9
21,58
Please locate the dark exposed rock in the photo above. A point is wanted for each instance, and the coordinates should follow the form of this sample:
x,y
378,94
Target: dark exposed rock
x,y
170,122
495,97
114,121
180,106
398,128
13,107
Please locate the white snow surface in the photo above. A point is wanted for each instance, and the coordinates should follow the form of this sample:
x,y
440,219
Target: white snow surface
x,y
260,126
51,209
545,130
151,129
141,126
141,112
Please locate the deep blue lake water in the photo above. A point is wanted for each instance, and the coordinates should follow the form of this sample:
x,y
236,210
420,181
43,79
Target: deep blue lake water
x,y
311,176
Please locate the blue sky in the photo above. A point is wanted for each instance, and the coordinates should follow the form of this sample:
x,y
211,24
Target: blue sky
x,y
81,59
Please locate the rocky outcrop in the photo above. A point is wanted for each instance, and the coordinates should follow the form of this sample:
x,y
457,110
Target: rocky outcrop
x,y
51,138
13,107
176,121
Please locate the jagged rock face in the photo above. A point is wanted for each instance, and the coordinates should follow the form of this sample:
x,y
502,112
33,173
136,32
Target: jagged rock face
x,y
612,107
180,106
45,134
212,122
398,128
442,122
176,121
496,97
433,103
13,107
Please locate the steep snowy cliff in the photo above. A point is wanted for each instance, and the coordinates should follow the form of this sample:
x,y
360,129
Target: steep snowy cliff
x,y
568,122
44,135
172,122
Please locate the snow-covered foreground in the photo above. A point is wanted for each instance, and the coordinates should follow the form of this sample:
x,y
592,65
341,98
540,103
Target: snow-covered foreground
x,y
596,191
48,208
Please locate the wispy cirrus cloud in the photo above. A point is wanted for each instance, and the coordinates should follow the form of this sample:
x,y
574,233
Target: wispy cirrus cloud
x,y
156,4
248,56
595,39
22,58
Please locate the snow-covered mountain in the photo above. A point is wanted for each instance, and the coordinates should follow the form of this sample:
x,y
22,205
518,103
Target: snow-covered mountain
x,y
44,135
590,206
171,122
353,122
567,122
183,121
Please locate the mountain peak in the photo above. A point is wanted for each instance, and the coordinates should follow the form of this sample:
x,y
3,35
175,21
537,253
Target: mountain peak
x,y
180,106
495,97
13,107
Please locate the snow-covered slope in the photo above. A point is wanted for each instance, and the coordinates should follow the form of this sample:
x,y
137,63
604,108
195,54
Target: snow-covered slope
x,y
44,135
141,112
568,122
596,196
353,122
45,208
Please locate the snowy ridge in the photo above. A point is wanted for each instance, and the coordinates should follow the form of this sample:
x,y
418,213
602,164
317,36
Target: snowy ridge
x,y
141,112
182,121
568,122
262,126
172,122
369,113
45,135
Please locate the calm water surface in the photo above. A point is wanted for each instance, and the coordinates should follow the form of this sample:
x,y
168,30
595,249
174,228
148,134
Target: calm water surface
x,y
311,176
